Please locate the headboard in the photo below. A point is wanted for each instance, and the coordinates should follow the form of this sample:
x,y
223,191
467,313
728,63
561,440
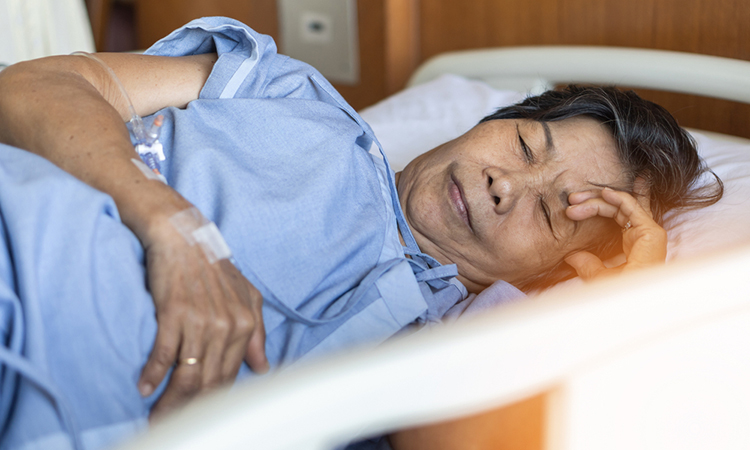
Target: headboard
x,y
716,28
536,69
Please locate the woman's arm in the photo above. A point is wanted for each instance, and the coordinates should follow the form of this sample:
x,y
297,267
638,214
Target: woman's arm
x,y
68,110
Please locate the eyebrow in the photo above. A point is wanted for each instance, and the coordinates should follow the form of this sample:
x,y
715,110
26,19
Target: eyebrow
x,y
549,144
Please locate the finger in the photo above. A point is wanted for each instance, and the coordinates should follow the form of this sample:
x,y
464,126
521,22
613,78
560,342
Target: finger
x,y
191,360
217,335
246,324
587,265
645,246
580,197
215,353
188,378
630,208
617,205
162,357
641,192
256,349
233,360
597,207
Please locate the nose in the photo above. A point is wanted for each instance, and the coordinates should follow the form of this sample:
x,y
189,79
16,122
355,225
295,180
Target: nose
x,y
505,188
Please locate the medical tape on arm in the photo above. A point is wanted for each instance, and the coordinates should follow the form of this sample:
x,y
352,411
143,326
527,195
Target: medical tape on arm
x,y
196,229
150,174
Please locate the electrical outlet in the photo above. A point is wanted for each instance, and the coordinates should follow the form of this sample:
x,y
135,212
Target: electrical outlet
x,y
322,33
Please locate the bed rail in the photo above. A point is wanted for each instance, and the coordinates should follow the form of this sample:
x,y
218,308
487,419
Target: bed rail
x,y
534,69
555,340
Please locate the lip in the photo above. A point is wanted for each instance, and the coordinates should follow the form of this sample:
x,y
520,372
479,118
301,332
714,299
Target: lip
x,y
458,200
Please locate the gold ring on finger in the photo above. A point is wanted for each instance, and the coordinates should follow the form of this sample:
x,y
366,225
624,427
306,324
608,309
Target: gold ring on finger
x,y
627,226
189,361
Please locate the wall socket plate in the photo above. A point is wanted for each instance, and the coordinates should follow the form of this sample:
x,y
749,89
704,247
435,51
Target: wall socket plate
x,y
322,33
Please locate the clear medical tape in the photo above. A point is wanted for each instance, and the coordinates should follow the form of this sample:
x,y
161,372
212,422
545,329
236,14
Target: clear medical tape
x,y
196,229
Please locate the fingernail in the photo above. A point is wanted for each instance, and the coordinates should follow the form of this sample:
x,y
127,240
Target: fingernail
x,y
146,389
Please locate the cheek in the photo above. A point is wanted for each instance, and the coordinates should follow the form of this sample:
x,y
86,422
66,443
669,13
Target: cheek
x,y
424,207
518,246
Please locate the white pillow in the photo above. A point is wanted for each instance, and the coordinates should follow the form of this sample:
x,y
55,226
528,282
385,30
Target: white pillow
x,y
420,118
725,224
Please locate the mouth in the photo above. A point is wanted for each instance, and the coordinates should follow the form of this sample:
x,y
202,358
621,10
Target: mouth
x,y
459,202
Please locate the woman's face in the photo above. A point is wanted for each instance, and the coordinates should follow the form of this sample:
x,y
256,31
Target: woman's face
x,y
493,200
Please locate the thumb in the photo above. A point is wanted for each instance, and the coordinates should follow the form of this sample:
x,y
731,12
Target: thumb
x,y
586,264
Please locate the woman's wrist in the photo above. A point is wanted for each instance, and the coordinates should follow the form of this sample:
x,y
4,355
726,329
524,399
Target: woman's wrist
x,y
146,207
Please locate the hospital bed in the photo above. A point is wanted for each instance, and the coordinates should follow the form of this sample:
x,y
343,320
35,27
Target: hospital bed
x,y
654,360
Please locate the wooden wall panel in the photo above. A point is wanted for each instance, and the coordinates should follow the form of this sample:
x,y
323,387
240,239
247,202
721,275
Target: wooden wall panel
x,y
388,36
713,27
372,57
716,27
99,14
518,426
401,42
156,19
388,51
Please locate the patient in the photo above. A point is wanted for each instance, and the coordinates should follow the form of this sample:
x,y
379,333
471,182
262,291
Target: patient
x,y
330,248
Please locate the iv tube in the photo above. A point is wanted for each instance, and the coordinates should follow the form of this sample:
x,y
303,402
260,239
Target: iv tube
x,y
138,128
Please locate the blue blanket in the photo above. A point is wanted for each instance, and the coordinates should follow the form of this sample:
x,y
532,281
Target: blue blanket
x,y
77,321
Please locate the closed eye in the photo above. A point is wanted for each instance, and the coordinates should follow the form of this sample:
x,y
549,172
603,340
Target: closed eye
x,y
525,148
547,215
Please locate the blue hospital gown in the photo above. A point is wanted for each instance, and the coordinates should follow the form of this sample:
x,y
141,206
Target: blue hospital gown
x,y
284,170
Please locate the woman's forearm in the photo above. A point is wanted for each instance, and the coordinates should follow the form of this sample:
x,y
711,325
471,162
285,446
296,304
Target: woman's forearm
x,y
69,110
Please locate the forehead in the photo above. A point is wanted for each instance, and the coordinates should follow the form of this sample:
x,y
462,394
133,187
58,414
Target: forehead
x,y
578,139
572,154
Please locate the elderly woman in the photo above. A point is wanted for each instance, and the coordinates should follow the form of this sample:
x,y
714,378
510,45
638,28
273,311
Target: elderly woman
x,y
330,247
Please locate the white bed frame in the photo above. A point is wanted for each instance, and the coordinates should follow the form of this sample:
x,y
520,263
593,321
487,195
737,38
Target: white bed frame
x,y
536,69
655,360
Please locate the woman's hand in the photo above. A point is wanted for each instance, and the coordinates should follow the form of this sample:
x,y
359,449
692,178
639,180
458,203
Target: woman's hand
x,y
209,319
644,242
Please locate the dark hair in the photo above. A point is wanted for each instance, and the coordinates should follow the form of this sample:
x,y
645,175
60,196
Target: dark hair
x,y
650,145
